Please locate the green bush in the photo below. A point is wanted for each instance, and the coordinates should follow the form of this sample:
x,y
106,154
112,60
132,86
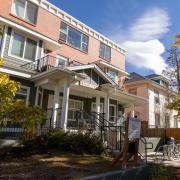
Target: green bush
x,y
65,141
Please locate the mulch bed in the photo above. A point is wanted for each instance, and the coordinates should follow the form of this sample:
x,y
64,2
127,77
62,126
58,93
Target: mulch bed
x,y
17,164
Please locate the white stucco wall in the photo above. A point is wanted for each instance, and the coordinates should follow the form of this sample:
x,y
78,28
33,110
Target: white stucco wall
x,y
162,109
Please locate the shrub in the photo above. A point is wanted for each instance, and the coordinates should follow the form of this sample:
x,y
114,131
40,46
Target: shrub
x,y
65,141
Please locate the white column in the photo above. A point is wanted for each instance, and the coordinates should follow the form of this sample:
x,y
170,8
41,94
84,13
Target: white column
x,y
106,107
132,110
55,105
98,110
65,104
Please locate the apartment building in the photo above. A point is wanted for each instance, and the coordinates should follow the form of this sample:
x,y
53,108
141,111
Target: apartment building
x,y
62,64
156,89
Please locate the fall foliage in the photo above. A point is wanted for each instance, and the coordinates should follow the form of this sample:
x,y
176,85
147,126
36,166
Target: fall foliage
x,y
14,110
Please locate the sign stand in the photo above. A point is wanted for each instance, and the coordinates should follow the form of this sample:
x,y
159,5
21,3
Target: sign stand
x,y
130,149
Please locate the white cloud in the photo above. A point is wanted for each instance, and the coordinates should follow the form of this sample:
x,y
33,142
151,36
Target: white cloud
x,y
151,25
144,49
146,54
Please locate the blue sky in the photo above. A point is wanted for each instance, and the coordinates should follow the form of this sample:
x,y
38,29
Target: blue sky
x,y
144,28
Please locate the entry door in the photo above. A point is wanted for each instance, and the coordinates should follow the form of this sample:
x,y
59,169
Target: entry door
x,y
112,113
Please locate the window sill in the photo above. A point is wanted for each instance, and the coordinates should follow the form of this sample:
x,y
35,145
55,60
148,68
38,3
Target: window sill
x,y
23,20
63,42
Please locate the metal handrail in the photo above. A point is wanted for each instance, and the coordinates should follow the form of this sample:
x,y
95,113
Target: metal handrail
x,y
144,141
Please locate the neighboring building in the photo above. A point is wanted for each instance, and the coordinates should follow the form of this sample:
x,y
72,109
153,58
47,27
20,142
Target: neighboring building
x,y
156,89
62,64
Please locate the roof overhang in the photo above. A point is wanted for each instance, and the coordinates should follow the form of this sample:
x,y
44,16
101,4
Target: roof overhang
x,y
104,63
49,43
15,73
152,84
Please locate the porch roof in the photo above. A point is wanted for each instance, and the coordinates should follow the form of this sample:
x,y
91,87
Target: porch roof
x,y
54,75
127,99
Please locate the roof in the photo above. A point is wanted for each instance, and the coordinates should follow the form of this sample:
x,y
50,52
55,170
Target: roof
x,y
152,76
134,77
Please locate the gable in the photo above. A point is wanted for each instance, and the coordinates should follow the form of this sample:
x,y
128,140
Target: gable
x,y
92,78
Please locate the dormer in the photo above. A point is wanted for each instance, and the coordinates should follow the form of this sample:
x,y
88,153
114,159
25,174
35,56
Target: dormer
x,y
159,79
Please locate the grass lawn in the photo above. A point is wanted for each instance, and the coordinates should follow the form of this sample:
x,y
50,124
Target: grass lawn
x,y
52,166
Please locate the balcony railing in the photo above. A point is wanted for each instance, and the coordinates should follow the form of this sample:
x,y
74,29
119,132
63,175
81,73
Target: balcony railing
x,y
48,62
45,63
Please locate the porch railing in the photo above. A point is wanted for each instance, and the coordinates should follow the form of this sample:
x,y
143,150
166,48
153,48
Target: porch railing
x,y
111,135
11,130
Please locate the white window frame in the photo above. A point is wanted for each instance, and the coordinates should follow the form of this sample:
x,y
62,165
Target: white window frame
x,y
11,45
115,78
62,57
67,34
106,46
115,112
156,95
27,95
74,100
24,15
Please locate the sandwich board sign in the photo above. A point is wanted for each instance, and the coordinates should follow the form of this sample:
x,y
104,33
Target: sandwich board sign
x,y
134,128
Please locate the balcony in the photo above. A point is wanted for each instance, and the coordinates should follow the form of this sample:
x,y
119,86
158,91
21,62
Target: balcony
x,y
48,62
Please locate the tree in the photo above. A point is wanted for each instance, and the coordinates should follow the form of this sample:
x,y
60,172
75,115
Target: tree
x,y
8,89
172,72
175,105
28,116
16,111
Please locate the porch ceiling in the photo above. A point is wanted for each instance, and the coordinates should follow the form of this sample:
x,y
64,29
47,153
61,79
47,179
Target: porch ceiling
x,y
128,99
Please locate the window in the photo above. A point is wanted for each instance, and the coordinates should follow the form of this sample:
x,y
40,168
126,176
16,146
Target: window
x,y
23,47
74,37
113,75
23,94
156,97
74,105
175,121
30,50
133,91
167,121
105,51
25,10
62,61
157,120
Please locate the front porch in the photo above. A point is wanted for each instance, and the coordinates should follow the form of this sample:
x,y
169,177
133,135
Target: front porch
x,y
74,105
